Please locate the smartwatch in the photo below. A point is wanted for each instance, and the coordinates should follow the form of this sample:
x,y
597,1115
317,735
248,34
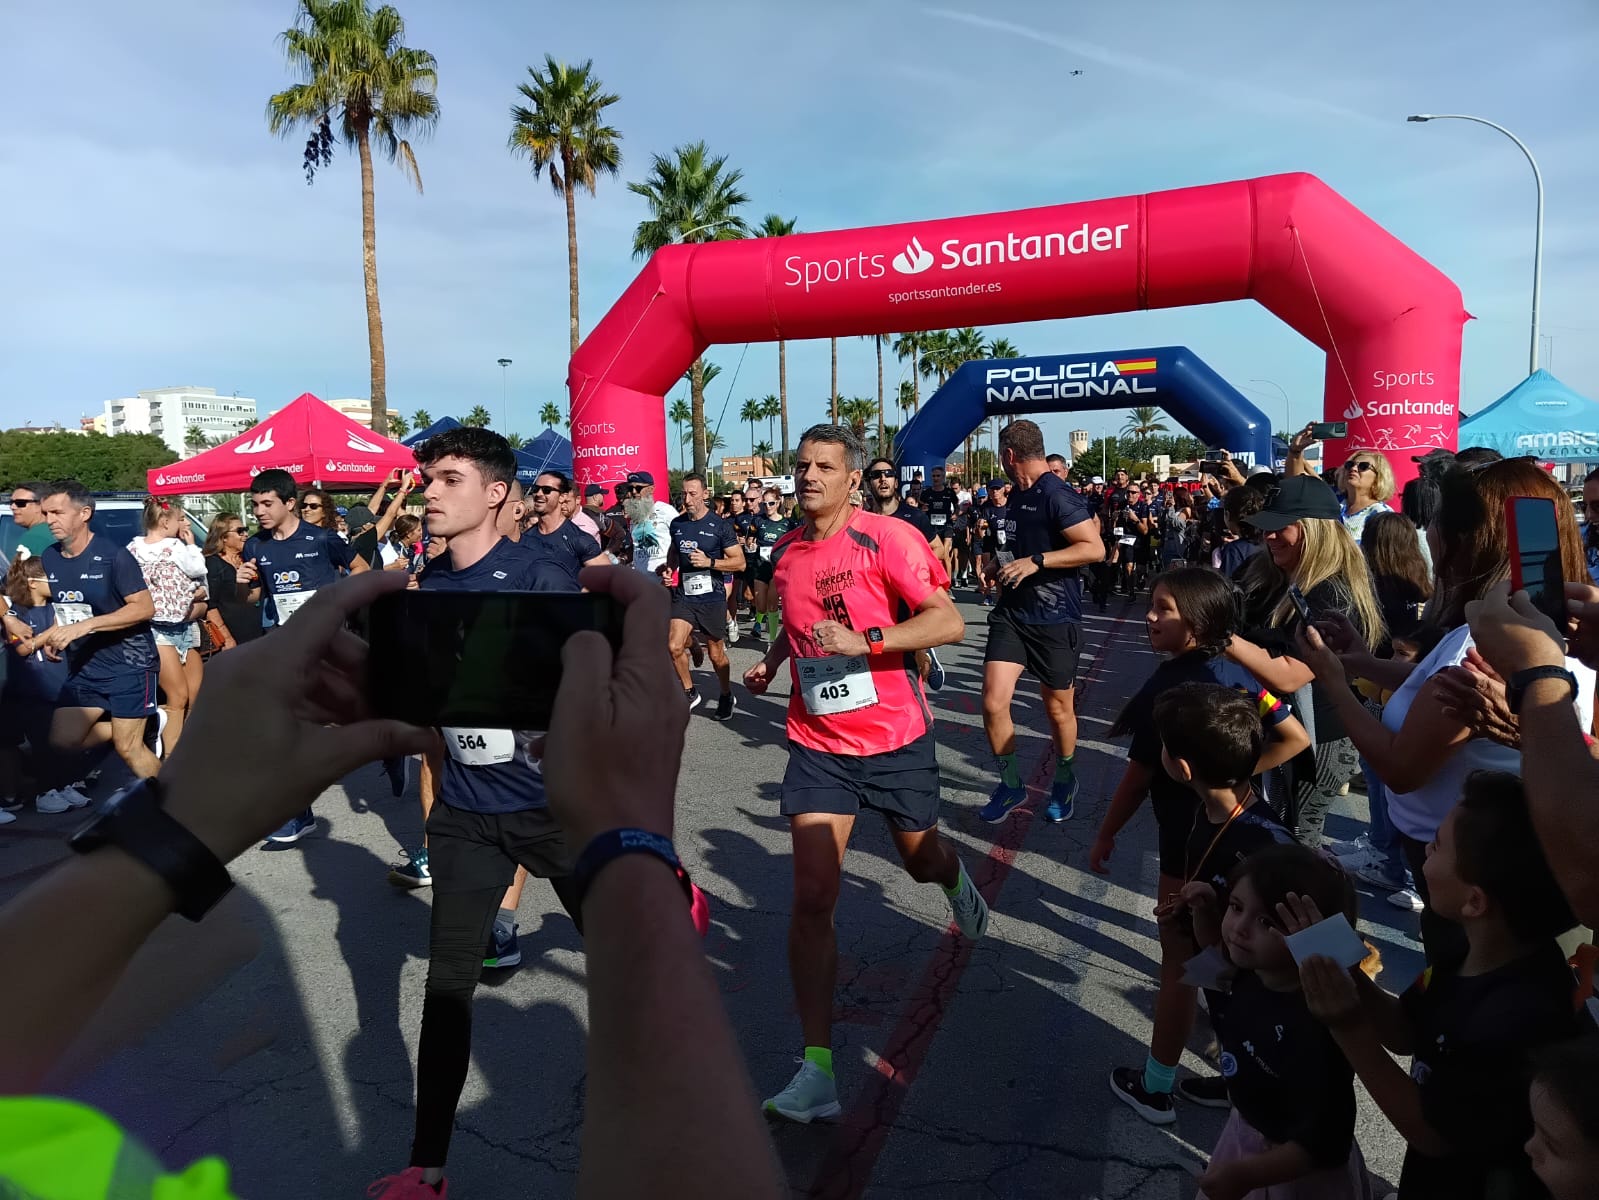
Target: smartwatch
x,y
1516,686
874,640
134,822
1038,561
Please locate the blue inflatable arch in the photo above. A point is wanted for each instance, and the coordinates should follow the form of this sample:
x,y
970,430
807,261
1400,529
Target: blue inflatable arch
x,y
1171,378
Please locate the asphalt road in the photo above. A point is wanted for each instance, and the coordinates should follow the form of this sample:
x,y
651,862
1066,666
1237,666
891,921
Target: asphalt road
x,y
281,1032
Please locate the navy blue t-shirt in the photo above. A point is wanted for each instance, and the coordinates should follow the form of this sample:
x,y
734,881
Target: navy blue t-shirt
x,y
306,561
469,781
91,584
916,519
35,677
711,535
941,507
564,551
1033,520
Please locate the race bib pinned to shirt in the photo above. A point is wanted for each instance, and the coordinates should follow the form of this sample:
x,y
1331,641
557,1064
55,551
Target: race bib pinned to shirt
x,y
697,584
289,603
480,747
940,519
835,684
766,552
70,613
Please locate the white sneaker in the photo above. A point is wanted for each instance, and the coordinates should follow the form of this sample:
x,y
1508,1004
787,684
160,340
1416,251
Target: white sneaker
x,y
160,728
52,802
7,817
74,797
1407,899
1354,847
969,907
812,1093
732,630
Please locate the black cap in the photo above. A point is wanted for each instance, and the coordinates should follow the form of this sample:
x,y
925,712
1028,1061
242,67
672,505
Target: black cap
x,y
1296,498
593,489
641,477
1432,456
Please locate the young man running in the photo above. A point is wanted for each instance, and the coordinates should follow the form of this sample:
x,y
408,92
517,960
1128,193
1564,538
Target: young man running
x,y
992,514
285,564
743,520
882,497
861,593
490,815
701,547
102,610
1038,624
770,528
941,503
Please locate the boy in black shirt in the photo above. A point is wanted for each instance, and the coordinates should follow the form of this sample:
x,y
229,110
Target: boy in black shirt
x,y
1471,1025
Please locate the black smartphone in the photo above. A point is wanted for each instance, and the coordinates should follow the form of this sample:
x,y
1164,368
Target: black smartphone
x,y
1213,466
1324,431
487,660
1301,605
1533,534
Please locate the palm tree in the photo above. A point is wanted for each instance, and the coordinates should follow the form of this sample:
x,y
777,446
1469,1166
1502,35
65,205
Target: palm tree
x,y
194,439
1000,348
550,414
772,226
909,345
355,71
857,412
515,440
763,453
562,127
421,419
680,414
752,411
478,418
771,409
397,426
692,197
906,397
879,340
1141,422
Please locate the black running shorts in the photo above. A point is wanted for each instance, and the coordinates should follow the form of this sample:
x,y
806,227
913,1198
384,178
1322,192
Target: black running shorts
x,y
901,784
1049,652
706,618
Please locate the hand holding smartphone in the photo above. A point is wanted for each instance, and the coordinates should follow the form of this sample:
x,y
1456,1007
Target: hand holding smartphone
x,y
1532,531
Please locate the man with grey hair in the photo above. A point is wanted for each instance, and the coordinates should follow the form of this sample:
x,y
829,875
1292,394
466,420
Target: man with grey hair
x,y
861,593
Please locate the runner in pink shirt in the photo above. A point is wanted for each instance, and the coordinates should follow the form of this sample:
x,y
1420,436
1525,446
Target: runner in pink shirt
x,y
861,594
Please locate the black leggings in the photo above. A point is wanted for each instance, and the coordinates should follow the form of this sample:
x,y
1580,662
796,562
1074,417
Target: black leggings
x,y
462,925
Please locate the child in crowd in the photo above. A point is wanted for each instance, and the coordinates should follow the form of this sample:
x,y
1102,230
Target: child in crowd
x,y
1291,1133
33,683
1192,617
1564,1146
1472,1024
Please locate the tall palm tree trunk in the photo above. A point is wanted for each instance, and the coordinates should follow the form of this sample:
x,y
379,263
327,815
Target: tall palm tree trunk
x,y
369,267
783,467
697,407
879,342
832,398
571,247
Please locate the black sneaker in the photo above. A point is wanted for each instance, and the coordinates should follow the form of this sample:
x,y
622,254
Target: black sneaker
x,y
693,699
1207,1091
1155,1107
724,706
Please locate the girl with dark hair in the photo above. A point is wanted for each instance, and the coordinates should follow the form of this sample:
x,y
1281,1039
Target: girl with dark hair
x,y
1192,618
1399,574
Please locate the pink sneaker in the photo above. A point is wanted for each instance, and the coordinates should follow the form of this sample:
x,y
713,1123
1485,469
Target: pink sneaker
x,y
700,910
408,1185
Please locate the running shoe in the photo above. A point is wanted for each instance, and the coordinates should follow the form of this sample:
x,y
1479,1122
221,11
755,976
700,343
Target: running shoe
x,y
1004,801
1207,1091
52,802
1373,874
503,950
74,797
935,672
1406,898
7,816
1062,798
159,749
724,706
414,873
732,630
408,1185
1355,846
693,698
969,907
1155,1107
1359,860
398,771
10,803
812,1093
293,829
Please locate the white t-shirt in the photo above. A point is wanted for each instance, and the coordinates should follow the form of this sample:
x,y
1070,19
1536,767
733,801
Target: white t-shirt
x,y
1418,814
652,557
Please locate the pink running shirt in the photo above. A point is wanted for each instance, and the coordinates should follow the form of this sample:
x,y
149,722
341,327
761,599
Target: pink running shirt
x,y
874,571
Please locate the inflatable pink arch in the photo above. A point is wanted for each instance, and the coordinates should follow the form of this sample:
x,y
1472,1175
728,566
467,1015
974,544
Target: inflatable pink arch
x,y
1389,321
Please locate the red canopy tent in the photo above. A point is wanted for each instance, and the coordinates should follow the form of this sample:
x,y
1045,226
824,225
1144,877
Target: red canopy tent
x,y
310,440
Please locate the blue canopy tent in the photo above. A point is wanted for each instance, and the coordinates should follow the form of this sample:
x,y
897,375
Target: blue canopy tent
x,y
547,452
1541,417
442,425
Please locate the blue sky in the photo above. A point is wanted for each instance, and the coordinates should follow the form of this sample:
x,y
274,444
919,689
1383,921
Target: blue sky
x,y
158,235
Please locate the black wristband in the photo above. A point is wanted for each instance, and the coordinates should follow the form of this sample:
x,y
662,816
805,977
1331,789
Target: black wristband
x,y
612,844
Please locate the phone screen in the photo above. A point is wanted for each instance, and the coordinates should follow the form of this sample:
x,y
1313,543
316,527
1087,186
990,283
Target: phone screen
x,y
1324,430
1301,605
1535,555
489,660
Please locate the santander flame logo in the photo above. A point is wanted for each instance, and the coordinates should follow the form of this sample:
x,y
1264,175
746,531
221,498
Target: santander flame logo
x,y
1354,412
356,442
914,259
259,444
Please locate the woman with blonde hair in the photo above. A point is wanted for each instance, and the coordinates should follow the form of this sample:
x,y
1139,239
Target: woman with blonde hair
x,y
239,620
1367,481
1309,558
174,569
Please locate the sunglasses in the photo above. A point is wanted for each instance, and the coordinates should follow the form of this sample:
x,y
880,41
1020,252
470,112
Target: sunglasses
x,y
883,473
772,503
240,530
546,490
22,503
1359,466
308,507
636,488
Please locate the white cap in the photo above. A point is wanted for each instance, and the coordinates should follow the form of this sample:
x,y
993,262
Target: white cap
x,y
1097,479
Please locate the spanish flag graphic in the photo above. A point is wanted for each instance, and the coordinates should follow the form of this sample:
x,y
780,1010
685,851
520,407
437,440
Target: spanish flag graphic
x,y
1134,366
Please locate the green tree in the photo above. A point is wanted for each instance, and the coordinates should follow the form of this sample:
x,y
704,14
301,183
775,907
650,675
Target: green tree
x,y
515,440
562,127
421,419
879,340
355,72
1141,422
905,398
397,426
752,411
692,197
999,348
763,453
771,409
478,418
550,414
195,439
909,345
680,415
100,462
857,412
774,226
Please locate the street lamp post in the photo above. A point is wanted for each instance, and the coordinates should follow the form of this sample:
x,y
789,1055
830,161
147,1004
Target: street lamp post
x,y
505,407
1288,420
1537,237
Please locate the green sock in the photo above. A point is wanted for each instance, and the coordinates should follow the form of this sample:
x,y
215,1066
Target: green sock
x,y
1063,768
1008,774
822,1057
960,883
